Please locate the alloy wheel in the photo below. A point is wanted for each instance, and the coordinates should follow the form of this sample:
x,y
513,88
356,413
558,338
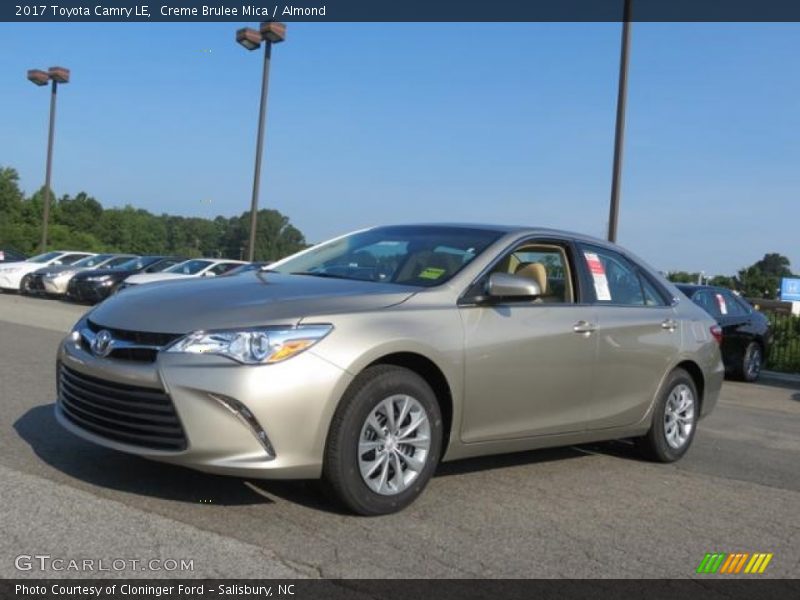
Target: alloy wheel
x,y
394,444
753,363
679,416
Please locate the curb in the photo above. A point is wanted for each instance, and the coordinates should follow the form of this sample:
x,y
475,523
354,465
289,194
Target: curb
x,y
783,377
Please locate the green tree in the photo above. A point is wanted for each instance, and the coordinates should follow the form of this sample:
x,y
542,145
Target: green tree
x,y
763,278
683,277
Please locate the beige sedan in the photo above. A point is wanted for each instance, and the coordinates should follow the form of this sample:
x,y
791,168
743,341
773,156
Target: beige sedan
x,y
368,359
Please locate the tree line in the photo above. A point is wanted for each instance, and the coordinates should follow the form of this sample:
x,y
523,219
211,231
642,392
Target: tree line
x,y
82,223
762,279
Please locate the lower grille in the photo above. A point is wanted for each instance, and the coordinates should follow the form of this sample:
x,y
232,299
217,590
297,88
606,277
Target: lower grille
x,y
129,414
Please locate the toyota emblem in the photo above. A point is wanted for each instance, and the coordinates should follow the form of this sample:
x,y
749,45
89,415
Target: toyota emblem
x,y
103,344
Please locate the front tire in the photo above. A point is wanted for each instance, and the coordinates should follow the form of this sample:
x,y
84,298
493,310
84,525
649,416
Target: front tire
x,y
25,285
384,442
674,419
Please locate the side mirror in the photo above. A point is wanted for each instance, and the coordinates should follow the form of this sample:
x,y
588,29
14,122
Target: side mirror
x,y
505,285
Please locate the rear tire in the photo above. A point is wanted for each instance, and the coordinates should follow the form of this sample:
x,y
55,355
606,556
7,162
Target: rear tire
x,y
674,423
376,463
752,360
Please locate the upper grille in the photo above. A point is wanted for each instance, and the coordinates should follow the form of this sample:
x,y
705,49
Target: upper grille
x,y
129,414
151,342
137,337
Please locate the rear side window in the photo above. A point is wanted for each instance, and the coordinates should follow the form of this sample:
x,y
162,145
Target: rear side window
x,y
616,280
733,307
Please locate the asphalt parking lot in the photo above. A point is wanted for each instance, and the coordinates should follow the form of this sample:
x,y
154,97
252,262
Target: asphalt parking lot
x,y
590,511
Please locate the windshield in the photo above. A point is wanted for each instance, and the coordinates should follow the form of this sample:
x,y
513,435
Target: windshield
x,y
116,262
92,261
408,254
43,258
189,267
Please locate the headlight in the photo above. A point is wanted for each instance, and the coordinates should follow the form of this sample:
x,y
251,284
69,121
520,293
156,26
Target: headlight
x,y
8,269
62,275
257,346
99,278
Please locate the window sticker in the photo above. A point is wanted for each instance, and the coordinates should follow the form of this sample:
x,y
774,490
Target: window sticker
x,y
723,307
431,273
598,275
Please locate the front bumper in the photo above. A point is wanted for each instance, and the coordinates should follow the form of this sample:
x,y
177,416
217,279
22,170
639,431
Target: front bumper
x,y
57,286
84,290
10,281
292,402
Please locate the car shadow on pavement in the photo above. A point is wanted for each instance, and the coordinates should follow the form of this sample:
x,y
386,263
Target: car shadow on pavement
x,y
115,470
500,461
102,467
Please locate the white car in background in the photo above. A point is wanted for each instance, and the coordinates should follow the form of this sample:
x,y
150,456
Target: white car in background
x,y
195,267
11,274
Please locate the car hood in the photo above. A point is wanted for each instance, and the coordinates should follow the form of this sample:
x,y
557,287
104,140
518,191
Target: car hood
x,y
53,269
246,300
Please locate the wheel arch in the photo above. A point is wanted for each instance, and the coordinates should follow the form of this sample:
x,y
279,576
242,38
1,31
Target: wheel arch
x,y
696,373
433,376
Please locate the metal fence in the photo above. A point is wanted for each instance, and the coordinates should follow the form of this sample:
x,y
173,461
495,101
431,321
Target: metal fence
x,y
784,355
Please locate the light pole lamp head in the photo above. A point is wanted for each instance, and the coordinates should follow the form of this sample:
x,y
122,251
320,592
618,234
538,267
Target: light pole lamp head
x,y
59,74
38,77
273,32
249,38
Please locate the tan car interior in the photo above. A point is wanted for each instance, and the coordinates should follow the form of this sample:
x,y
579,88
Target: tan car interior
x,y
553,289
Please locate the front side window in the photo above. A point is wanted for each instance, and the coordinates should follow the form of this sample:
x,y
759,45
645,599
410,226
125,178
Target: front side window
x,y
422,256
545,263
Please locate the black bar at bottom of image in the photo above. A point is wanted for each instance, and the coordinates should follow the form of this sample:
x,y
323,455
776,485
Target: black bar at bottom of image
x,y
398,589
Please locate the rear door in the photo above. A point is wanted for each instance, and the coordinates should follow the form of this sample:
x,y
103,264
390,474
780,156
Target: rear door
x,y
637,333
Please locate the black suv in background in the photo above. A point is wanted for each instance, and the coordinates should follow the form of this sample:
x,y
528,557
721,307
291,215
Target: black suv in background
x,y
98,284
746,335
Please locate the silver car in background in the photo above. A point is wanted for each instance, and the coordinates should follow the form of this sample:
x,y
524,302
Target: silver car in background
x,y
368,359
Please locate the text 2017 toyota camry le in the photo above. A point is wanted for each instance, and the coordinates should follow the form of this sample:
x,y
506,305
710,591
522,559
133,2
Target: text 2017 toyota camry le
x,y
367,359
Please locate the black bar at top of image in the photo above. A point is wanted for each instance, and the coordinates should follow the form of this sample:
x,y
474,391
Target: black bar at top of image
x,y
709,588
398,10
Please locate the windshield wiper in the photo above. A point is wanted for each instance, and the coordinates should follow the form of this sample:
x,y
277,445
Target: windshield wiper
x,y
319,274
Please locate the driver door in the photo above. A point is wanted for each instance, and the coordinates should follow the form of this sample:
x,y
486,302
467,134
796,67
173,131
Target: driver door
x,y
529,364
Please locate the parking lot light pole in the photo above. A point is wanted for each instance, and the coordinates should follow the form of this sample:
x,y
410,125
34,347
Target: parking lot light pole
x,y
54,75
271,32
619,133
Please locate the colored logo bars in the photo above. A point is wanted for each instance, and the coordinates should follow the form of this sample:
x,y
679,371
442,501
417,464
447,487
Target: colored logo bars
x,y
738,562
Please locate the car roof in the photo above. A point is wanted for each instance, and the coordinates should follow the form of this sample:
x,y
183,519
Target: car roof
x,y
509,229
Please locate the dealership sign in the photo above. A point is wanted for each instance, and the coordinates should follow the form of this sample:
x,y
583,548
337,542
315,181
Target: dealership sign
x,y
790,289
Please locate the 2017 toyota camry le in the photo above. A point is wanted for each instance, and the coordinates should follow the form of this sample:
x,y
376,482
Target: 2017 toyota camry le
x,y
368,359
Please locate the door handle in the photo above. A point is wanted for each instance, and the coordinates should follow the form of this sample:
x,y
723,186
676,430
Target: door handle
x,y
669,324
584,327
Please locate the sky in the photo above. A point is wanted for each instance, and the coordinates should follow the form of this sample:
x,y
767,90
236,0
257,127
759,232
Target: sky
x,y
373,123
